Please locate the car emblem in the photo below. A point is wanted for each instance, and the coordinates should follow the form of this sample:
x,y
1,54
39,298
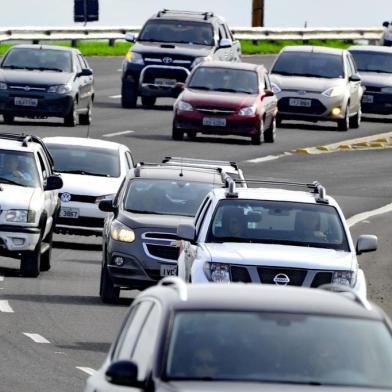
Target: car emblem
x,y
26,88
167,60
281,280
65,197
302,92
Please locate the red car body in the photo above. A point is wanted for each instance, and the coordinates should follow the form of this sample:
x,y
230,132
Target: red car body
x,y
218,112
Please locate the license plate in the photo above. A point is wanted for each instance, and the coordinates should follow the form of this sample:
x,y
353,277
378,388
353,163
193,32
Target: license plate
x,y
26,101
307,103
168,270
67,212
165,82
368,99
214,122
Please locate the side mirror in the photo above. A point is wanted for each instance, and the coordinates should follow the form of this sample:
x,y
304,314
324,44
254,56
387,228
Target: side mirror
x,y
366,243
85,72
106,205
267,93
354,78
180,86
123,373
225,43
186,232
130,37
53,183
386,24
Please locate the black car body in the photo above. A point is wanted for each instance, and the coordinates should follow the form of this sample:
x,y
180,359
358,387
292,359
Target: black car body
x,y
38,81
169,45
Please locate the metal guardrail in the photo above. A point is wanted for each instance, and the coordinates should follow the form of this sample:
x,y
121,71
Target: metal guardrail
x,y
37,34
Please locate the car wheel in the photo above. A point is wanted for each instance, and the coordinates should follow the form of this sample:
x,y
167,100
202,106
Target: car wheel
x,y
279,121
191,134
256,139
355,121
344,124
71,119
148,101
128,95
177,134
270,133
30,262
46,257
86,118
8,118
109,294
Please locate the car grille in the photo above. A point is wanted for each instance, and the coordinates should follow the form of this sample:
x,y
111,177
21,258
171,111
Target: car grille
x,y
240,274
161,245
26,87
163,252
296,276
373,89
82,198
317,108
177,61
218,111
151,74
81,222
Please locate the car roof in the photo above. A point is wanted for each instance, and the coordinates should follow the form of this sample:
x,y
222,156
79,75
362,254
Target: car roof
x,y
15,145
82,141
370,48
313,49
54,47
186,15
267,298
231,65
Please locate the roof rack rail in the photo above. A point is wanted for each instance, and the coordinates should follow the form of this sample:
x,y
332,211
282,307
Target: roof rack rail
x,y
25,140
206,15
207,162
340,289
177,284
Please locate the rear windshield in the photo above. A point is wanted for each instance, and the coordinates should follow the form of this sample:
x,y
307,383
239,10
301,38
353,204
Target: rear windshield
x,y
373,62
309,64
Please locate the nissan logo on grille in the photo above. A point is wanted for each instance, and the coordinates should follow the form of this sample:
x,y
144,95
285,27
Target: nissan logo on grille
x,y
65,197
167,60
281,279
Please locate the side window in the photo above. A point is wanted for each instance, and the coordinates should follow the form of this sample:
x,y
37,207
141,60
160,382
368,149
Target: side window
x,y
350,70
228,32
82,61
119,192
128,156
78,65
200,211
146,342
353,64
267,82
222,32
43,167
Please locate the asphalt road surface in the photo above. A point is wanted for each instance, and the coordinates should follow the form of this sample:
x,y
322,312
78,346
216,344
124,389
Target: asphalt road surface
x,y
55,330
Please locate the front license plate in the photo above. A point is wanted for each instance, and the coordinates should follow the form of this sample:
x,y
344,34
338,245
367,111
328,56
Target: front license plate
x,y
168,270
368,99
165,82
26,101
307,103
214,122
67,212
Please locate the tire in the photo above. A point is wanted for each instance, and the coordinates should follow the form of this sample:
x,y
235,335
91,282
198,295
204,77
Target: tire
x,y
128,95
177,134
71,119
192,135
355,121
109,294
46,257
30,262
344,124
279,121
256,139
148,101
270,133
86,118
8,118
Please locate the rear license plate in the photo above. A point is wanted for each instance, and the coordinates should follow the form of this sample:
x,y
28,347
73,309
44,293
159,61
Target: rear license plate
x,y
368,99
307,103
67,212
168,270
214,122
26,101
165,82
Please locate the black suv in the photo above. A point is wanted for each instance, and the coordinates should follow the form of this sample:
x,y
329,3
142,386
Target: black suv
x,y
169,45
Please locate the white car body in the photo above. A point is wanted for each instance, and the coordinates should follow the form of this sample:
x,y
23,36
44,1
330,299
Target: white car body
x,y
79,212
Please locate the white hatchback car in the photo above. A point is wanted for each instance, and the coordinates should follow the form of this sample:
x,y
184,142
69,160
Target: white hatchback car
x,y
92,170
272,236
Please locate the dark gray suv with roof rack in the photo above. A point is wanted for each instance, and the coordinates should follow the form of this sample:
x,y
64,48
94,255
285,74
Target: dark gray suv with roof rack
x,y
169,46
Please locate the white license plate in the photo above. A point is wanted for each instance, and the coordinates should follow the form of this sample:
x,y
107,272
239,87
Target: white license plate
x,y
67,212
307,103
165,82
368,99
168,270
214,122
26,101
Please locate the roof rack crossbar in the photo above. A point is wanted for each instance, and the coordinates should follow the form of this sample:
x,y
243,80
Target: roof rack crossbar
x,y
206,15
177,284
200,161
340,289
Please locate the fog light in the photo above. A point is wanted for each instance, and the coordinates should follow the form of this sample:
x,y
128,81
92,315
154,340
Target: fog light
x,y
118,261
336,111
18,241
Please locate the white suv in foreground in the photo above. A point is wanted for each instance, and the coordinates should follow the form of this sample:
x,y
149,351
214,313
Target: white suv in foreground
x,y
274,236
29,202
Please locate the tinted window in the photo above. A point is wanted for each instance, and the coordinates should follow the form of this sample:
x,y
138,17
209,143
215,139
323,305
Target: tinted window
x,y
309,64
275,222
45,59
85,160
224,79
167,197
373,62
278,347
176,31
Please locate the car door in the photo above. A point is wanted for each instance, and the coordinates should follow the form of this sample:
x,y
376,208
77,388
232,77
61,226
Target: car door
x,y
235,53
358,90
270,103
84,83
354,87
222,54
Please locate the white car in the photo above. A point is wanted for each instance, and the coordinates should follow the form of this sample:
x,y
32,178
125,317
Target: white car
x,y
273,236
92,170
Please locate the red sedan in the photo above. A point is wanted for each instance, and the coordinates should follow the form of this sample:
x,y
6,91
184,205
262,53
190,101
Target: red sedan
x,y
223,98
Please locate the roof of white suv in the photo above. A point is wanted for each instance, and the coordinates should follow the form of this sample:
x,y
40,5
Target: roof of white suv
x,y
313,49
82,141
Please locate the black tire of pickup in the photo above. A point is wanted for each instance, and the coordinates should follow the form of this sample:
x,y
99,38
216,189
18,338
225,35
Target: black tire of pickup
x,y
30,262
46,257
129,94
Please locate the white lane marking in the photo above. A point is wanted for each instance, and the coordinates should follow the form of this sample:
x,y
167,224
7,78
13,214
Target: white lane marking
x,y
1,278
117,133
35,337
5,307
268,158
87,370
368,214
115,96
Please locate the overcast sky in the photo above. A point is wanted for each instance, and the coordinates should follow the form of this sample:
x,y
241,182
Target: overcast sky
x,y
289,13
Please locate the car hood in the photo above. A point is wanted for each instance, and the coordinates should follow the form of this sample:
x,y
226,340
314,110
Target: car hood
x,y
280,256
376,79
217,99
17,197
140,221
78,184
302,83
47,78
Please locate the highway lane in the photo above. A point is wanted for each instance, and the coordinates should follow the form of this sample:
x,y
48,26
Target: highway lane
x,y
62,305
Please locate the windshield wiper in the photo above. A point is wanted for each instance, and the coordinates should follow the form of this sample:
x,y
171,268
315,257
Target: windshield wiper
x,y
233,239
49,69
84,172
226,90
7,181
145,212
200,88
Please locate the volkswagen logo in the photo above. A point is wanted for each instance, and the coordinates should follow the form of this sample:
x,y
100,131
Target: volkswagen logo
x,y
302,92
65,197
26,88
281,279
167,60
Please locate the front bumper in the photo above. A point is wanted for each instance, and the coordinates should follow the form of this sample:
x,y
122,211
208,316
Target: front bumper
x,y
14,240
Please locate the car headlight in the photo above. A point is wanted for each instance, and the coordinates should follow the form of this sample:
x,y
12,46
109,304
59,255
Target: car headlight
x,y
61,89
334,91
20,216
248,111
184,106
135,58
275,88
3,86
104,197
387,90
120,232
344,278
217,272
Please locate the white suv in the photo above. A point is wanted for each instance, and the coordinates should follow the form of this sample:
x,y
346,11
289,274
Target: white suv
x,y
275,236
29,202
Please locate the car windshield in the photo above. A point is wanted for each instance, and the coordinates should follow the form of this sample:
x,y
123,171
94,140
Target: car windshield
x,y
85,160
276,222
177,31
18,168
373,61
279,348
309,64
165,197
38,59
224,79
